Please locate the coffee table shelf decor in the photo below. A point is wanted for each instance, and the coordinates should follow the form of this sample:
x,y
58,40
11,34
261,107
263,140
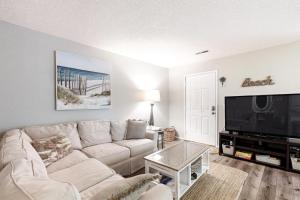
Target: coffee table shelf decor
x,y
184,163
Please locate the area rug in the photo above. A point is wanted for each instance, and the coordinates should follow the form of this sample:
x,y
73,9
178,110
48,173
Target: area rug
x,y
219,183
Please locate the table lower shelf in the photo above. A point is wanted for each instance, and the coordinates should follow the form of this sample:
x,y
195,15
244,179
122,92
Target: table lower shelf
x,y
199,174
183,186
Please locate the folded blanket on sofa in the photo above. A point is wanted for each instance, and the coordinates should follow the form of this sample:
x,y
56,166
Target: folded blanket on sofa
x,y
127,189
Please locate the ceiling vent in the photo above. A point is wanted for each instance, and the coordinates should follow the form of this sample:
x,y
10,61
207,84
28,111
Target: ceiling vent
x,y
201,52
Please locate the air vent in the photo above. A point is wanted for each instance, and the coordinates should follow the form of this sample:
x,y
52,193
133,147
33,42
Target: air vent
x,y
201,52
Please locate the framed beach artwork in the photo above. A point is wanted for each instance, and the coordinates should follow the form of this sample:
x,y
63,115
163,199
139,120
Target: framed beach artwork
x,y
82,83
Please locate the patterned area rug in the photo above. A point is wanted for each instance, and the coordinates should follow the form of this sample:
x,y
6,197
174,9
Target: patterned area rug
x,y
219,183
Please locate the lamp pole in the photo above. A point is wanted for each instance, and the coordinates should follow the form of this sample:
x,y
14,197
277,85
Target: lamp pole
x,y
151,121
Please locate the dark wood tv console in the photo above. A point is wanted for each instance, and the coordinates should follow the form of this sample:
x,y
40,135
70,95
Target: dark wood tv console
x,y
280,148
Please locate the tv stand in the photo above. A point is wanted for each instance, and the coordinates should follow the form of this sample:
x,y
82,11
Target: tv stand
x,y
257,147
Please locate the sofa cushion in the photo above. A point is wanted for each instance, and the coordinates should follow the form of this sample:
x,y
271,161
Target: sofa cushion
x,y
84,174
94,132
17,133
137,146
92,191
136,129
15,146
108,153
67,129
10,151
123,168
118,130
158,192
19,180
138,162
53,148
72,159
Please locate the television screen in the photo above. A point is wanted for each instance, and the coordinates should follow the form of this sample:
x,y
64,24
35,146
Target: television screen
x,y
277,115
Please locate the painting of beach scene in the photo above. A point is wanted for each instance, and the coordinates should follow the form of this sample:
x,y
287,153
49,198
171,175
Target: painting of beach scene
x,y
81,83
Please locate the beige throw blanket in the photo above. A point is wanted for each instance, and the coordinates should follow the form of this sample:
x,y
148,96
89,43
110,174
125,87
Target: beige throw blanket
x,y
127,189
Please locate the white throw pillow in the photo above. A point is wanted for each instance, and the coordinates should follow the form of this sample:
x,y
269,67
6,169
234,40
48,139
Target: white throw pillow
x,y
94,132
20,180
118,130
67,129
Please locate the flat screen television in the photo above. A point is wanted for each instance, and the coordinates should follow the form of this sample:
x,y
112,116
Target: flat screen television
x,y
276,115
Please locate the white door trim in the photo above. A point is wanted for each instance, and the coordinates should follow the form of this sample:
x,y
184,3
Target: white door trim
x,y
216,103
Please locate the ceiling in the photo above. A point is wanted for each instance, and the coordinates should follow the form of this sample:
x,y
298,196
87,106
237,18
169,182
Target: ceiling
x,y
167,33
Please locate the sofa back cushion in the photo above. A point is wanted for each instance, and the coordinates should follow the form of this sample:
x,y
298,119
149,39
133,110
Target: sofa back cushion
x,y
16,133
66,129
15,145
94,132
20,180
136,129
53,148
118,130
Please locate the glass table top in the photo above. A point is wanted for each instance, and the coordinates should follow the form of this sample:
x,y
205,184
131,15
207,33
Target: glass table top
x,y
178,156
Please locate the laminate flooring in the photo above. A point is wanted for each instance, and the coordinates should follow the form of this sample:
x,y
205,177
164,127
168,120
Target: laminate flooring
x,y
263,183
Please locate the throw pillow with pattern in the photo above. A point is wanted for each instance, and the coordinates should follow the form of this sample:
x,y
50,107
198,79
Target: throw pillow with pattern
x,y
53,148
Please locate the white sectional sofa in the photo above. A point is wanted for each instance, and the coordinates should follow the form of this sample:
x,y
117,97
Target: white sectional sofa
x,y
96,162
94,140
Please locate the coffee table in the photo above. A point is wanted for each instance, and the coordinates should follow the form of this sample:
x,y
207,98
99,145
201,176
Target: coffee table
x,y
178,162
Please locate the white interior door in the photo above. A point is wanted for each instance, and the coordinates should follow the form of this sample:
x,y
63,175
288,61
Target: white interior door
x,y
201,108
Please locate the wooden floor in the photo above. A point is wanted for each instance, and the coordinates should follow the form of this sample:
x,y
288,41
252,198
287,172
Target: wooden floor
x,y
263,182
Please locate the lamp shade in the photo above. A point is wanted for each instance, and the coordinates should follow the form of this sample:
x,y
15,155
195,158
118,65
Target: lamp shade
x,y
152,96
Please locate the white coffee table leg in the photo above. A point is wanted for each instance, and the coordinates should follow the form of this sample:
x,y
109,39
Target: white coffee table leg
x,y
208,160
177,185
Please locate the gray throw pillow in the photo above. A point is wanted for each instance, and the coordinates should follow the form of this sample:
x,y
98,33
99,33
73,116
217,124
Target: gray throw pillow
x,y
136,129
118,130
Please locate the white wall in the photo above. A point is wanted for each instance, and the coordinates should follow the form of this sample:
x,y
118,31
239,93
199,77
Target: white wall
x,y
27,81
281,62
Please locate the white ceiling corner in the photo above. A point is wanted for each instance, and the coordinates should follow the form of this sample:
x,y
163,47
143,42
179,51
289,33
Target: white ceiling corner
x,y
162,32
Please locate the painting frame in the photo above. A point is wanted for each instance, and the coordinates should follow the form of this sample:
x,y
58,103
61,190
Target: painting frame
x,y
81,83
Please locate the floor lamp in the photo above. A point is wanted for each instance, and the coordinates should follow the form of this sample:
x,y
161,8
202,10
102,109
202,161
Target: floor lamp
x,y
152,96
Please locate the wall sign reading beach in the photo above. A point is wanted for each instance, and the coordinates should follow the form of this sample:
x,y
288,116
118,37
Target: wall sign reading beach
x,y
250,83
81,83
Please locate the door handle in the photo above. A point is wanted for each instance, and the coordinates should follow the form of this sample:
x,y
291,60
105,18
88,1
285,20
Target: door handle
x,y
213,110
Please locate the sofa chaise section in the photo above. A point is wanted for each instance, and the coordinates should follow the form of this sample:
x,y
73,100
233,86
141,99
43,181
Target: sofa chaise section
x,y
94,190
84,175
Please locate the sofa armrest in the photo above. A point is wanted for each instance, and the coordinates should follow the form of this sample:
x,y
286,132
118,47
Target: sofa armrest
x,y
152,135
158,192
